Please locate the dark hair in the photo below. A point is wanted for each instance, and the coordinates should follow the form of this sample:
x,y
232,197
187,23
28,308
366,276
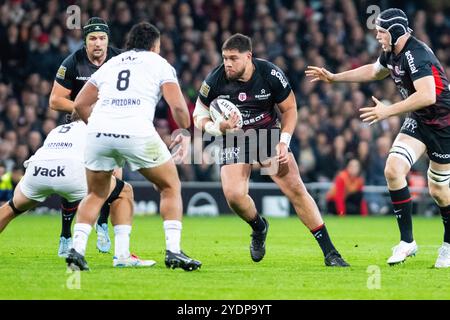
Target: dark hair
x,y
142,36
238,42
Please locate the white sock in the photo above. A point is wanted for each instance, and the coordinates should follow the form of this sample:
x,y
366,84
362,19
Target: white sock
x,y
122,241
81,233
172,228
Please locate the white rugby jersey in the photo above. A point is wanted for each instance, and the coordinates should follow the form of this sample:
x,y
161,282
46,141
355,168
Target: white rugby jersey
x,y
67,141
129,88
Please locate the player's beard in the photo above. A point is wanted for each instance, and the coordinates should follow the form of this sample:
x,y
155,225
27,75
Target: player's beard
x,y
236,75
97,53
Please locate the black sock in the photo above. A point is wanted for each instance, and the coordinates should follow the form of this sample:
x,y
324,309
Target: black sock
x,y
402,202
257,224
104,214
322,237
445,213
68,211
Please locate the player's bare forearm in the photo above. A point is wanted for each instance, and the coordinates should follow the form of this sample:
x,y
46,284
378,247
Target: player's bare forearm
x,y
61,104
424,96
289,120
84,101
288,109
59,98
174,97
414,102
181,116
362,74
201,124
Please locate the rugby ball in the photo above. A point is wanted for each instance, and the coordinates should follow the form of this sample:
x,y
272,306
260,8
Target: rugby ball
x,y
221,109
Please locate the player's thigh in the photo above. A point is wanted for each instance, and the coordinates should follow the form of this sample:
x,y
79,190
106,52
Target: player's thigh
x,y
164,176
99,182
101,153
21,201
145,152
288,177
235,178
118,173
405,151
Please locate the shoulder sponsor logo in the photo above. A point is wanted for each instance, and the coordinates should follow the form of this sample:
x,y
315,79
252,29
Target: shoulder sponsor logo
x,y
45,172
410,60
204,89
82,78
61,73
280,77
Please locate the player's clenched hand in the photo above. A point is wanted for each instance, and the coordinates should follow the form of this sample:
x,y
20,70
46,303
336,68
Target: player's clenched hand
x,y
282,153
183,145
374,114
319,74
231,123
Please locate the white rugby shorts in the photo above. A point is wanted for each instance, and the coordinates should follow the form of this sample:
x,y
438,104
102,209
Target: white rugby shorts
x,y
64,177
104,152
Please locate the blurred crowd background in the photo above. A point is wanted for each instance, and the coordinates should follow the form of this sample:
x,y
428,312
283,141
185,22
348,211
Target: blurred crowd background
x,y
291,33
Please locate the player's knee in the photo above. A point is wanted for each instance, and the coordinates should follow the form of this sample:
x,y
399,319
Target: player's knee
x,y
296,190
170,190
395,170
401,159
127,191
438,185
440,194
234,197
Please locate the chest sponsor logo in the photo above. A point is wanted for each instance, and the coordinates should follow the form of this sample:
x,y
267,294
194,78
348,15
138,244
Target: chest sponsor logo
x,y
61,73
410,60
45,172
242,96
263,95
253,120
409,125
280,77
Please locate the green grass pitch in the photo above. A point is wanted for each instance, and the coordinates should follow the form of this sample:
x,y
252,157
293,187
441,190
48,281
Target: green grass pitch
x,y
292,268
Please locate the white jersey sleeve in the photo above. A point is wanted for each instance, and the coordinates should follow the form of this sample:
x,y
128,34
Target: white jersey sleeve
x,y
129,88
168,73
67,141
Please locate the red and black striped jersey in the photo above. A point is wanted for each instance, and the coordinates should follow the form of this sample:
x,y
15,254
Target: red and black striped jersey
x,y
415,61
